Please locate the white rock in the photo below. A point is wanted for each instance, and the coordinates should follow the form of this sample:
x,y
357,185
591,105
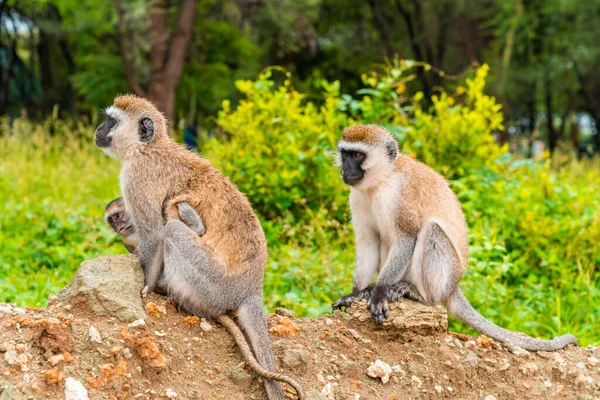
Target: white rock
x,y
592,361
171,394
417,380
439,389
450,388
137,323
490,397
547,383
379,369
397,369
74,390
95,335
514,349
205,326
328,391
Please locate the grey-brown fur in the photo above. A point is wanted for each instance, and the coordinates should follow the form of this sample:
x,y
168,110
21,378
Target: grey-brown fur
x,y
410,229
220,272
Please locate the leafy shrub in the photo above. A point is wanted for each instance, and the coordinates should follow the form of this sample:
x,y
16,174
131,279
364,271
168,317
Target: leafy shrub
x,y
279,148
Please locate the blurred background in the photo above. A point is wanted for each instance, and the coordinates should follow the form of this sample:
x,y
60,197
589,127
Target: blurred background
x,y
500,96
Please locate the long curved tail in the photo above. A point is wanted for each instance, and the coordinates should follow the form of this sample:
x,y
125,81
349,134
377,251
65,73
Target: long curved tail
x,y
459,306
254,323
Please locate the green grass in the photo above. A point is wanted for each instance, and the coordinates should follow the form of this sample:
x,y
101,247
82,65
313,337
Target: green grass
x,y
534,235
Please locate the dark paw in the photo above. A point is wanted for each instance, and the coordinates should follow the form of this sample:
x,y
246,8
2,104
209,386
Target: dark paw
x,y
398,291
367,292
344,302
378,305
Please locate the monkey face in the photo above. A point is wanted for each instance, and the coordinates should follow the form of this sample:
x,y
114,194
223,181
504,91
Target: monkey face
x,y
131,123
352,161
120,223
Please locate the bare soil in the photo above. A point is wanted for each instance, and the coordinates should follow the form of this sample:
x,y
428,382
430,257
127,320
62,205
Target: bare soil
x,y
173,355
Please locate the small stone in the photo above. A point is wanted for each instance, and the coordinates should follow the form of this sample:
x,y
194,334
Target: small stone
x,y
170,393
328,391
471,359
354,334
137,323
74,390
438,388
205,326
529,368
490,397
52,299
284,312
8,392
293,358
450,388
514,349
417,380
95,335
397,369
328,321
381,370
238,375
591,361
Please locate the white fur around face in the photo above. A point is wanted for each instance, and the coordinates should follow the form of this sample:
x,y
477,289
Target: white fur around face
x,y
377,164
124,134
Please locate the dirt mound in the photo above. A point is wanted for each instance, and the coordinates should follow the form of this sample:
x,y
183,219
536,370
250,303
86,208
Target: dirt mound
x,y
73,350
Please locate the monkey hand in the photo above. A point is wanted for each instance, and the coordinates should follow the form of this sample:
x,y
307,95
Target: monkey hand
x,y
378,304
346,301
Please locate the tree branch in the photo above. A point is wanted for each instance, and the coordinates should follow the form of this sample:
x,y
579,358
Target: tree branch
x,y
125,52
180,40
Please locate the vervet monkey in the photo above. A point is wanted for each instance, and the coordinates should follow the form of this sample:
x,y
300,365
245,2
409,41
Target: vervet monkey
x,y
410,229
208,276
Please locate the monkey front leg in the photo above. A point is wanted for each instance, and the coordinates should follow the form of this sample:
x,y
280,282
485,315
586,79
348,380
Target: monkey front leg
x,y
392,272
367,260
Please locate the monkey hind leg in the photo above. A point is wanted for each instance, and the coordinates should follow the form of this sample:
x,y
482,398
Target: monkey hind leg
x,y
193,278
435,268
459,306
253,321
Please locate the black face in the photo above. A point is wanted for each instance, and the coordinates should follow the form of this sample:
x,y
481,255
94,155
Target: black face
x,y
120,223
101,136
352,172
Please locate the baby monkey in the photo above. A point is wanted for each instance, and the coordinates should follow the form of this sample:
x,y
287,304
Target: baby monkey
x,y
119,219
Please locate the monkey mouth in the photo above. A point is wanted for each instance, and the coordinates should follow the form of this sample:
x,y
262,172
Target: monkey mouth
x,y
102,142
352,180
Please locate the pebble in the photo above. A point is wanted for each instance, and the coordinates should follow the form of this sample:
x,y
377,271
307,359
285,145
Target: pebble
x,y
95,335
417,380
74,390
354,334
514,349
293,358
490,397
379,369
171,394
137,323
205,326
439,389
328,391
284,312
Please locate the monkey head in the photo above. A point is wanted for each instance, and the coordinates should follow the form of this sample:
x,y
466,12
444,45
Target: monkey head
x,y
118,219
132,123
366,153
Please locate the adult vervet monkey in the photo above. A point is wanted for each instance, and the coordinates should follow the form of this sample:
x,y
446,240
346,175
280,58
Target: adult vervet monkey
x,y
208,276
410,228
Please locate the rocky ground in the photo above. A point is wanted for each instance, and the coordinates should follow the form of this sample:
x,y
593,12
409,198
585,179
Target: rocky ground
x,y
100,340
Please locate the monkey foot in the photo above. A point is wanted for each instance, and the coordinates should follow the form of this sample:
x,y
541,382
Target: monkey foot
x,y
378,304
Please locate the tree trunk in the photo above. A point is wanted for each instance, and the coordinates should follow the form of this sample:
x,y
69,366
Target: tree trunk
x,y
167,53
552,134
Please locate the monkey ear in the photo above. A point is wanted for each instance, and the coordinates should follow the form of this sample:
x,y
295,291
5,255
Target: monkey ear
x,y
145,129
392,150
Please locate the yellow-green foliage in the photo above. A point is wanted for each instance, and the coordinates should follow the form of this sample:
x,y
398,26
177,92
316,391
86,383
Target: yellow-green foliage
x,y
54,185
457,137
280,148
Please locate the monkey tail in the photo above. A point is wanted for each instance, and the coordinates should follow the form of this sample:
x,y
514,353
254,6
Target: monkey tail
x,y
259,338
459,306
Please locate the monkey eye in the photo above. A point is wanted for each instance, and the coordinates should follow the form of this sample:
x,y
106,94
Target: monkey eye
x,y
118,215
359,156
